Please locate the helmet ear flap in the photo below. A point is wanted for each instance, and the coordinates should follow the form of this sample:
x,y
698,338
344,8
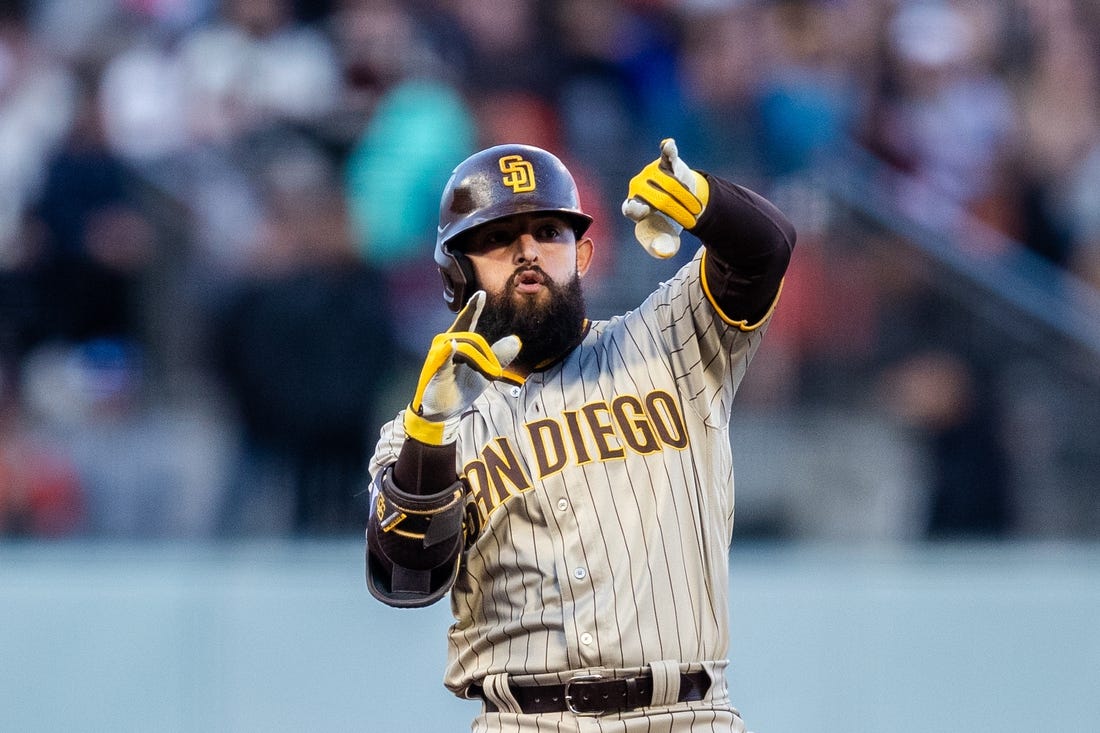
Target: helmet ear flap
x,y
458,279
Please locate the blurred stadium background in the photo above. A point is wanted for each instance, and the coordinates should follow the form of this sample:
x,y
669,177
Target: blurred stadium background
x,y
216,220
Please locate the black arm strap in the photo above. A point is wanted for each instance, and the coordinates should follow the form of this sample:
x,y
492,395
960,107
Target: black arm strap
x,y
415,542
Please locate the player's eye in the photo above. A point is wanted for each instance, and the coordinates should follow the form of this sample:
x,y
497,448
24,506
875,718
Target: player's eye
x,y
492,238
548,233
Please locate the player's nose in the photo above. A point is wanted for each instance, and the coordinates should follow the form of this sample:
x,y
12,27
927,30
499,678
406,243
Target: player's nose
x,y
527,247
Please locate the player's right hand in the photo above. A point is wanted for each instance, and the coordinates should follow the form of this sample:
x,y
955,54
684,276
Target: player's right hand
x,y
663,199
459,366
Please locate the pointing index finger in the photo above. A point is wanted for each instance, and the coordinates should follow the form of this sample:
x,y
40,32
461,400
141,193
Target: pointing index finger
x,y
467,318
669,154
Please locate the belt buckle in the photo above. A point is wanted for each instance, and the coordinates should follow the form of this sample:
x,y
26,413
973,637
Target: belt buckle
x,y
592,677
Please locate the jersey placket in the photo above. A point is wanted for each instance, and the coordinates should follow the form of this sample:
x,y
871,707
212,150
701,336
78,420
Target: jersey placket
x,y
581,558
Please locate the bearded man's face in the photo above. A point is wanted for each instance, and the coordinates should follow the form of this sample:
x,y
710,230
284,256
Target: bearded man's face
x,y
529,266
547,327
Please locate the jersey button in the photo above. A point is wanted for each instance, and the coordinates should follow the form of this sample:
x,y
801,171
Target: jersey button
x,y
515,391
563,505
580,573
586,638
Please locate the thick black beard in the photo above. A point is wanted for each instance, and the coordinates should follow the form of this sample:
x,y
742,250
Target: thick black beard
x,y
546,331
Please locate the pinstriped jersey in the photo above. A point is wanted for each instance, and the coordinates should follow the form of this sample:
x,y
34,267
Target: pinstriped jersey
x,y
605,490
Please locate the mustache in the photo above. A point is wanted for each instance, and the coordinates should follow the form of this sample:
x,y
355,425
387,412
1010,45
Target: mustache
x,y
530,269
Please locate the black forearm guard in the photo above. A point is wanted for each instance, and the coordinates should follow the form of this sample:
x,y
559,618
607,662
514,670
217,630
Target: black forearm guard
x,y
414,542
749,243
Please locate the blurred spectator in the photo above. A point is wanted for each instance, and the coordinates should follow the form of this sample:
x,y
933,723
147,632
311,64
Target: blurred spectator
x,y
1060,114
37,97
305,347
722,85
382,43
143,100
935,373
809,98
502,43
1060,104
98,242
392,182
86,247
619,89
417,131
948,402
256,65
947,118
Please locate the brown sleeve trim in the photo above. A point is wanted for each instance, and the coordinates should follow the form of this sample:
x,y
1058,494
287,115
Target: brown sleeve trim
x,y
742,324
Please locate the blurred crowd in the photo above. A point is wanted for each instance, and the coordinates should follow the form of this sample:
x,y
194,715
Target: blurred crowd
x,y
216,219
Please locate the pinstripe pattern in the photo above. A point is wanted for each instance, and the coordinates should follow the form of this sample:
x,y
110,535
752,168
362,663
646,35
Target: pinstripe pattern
x,y
679,721
606,488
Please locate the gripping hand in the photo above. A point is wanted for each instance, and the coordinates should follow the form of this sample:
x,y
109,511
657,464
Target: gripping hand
x,y
663,199
459,366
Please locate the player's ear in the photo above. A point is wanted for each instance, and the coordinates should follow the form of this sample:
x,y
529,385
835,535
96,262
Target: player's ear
x,y
584,255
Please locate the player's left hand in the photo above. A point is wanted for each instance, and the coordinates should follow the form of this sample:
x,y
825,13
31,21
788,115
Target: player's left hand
x,y
459,366
663,199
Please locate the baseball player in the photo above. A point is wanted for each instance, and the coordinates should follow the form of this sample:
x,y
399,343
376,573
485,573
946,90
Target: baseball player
x,y
570,481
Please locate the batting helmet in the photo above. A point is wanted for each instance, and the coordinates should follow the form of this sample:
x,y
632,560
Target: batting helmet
x,y
497,182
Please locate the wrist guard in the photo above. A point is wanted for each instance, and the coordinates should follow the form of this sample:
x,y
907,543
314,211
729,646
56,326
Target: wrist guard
x,y
415,542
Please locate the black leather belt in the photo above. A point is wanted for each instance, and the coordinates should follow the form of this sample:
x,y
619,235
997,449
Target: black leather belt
x,y
591,694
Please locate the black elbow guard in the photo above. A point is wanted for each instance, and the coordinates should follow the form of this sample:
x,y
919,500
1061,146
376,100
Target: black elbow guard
x,y
414,542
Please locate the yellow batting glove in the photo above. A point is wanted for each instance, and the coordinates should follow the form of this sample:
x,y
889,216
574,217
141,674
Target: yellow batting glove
x,y
459,366
663,199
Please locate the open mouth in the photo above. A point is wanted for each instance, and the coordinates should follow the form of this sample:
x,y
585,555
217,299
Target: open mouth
x,y
528,281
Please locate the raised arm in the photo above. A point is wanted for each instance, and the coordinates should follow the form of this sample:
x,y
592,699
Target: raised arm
x,y
748,240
